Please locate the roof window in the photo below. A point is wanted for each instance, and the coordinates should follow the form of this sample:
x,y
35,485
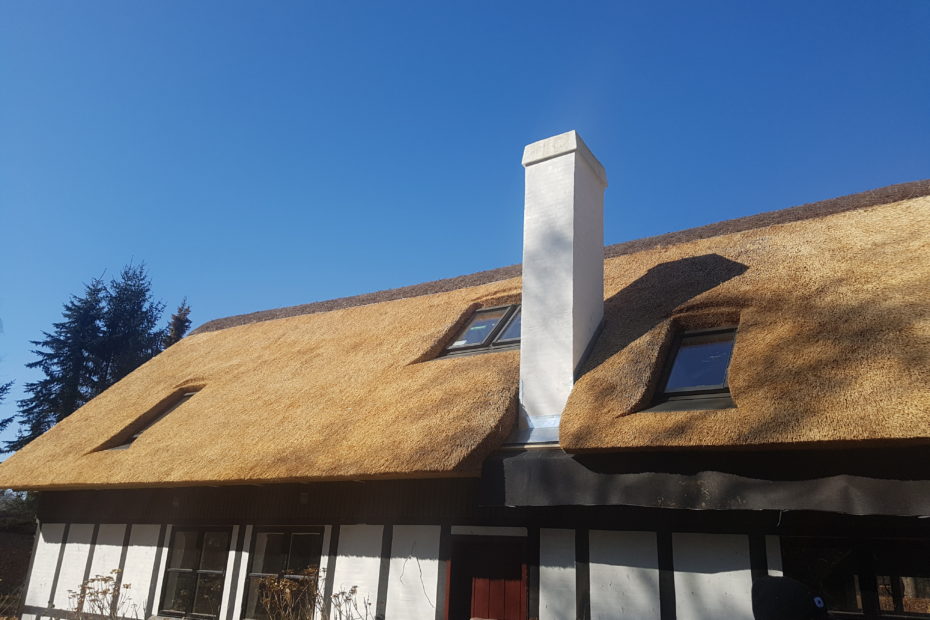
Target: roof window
x,y
695,376
128,436
490,328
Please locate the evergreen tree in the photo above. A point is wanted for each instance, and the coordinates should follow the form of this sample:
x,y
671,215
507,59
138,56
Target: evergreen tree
x,y
106,333
178,324
130,336
4,390
71,367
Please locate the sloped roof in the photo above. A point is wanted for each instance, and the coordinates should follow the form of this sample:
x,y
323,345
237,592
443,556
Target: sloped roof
x,y
833,346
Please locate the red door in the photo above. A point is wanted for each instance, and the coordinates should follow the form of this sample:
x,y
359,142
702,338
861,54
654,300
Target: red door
x,y
488,579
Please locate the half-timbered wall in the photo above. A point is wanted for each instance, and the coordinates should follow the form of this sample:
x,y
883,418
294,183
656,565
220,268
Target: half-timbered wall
x,y
401,570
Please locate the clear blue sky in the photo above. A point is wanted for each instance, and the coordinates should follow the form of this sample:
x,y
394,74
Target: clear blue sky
x,y
262,154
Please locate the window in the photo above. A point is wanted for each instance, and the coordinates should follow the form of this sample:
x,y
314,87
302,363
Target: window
x,y
195,572
695,376
281,552
489,328
127,437
863,578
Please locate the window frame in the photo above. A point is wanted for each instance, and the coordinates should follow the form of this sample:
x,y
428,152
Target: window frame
x,y
492,341
201,535
290,531
694,397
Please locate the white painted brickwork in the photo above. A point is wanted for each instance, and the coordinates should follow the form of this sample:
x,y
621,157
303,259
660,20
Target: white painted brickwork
x,y
413,577
773,555
44,564
712,577
140,563
624,574
73,562
359,561
563,275
556,574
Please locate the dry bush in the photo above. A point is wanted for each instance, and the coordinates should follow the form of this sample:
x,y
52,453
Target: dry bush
x,y
102,595
298,597
11,603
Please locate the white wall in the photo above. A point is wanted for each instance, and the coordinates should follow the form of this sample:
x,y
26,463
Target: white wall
x,y
624,575
73,563
556,574
140,563
773,555
44,564
413,578
244,570
359,562
712,576
107,549
230,565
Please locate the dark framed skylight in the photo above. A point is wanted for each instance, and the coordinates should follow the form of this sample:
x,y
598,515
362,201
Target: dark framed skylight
x,y
697,369
488,328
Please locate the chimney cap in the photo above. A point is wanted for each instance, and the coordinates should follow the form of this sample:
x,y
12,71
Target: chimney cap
x,y
563,144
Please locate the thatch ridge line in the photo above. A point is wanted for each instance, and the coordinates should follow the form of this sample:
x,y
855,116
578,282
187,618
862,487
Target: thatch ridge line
x,y
823,208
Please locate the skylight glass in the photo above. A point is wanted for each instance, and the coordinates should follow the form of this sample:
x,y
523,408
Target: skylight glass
x,y
487,329
512,331
480,328
701,363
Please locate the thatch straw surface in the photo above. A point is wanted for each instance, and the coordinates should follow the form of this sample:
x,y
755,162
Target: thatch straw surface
x,y
833,340
326,396
833,346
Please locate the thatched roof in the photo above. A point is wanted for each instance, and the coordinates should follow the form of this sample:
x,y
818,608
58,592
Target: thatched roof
x,y
833,346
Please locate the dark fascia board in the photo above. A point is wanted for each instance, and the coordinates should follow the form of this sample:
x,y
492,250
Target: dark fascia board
x,y
871,198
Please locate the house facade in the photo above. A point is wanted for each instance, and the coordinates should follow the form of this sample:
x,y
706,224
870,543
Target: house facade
x,y
631,432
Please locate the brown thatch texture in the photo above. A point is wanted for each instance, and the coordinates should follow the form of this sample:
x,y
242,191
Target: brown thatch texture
x,y
335,395
833,346
833,342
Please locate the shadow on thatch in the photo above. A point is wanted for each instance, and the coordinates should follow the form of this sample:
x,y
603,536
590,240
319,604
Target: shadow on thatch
x,y
829,372
652,298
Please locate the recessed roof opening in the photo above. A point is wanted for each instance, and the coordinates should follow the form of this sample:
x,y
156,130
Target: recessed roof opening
x,y
490,328
695,374
126,438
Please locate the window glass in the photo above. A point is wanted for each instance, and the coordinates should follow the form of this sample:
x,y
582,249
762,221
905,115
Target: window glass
x,y
209,594
512,331
184,552
701,362
270,552
179,592
479,328
305,552
903,577
215,549
194,574
841,571
253,605
275,555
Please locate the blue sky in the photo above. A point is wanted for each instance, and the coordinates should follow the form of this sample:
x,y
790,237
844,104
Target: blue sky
x,y
262,154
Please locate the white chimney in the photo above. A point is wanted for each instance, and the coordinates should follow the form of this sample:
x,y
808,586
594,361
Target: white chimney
x,y
563,276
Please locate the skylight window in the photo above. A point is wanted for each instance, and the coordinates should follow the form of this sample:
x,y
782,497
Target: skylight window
x,y
488,329
697,370
127,437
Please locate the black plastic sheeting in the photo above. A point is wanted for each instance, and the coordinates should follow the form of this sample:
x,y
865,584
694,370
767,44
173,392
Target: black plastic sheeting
x,y
856,482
